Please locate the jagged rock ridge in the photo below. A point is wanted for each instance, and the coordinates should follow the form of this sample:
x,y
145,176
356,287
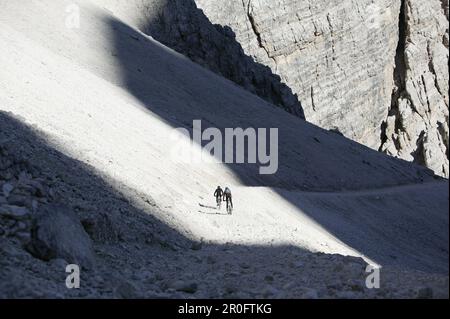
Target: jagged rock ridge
x,y
180,25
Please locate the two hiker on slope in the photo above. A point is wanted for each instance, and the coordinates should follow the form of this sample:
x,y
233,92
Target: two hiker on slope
x,y
224,195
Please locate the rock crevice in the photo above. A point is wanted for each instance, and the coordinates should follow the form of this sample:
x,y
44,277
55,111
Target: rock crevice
x,y
416,128
254,27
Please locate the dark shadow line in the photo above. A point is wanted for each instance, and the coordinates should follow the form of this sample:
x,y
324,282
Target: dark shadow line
x,y
182,26
140,234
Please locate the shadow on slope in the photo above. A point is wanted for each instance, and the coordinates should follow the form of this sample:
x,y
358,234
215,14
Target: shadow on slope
x,y
186,29
309,158
145,244
150,258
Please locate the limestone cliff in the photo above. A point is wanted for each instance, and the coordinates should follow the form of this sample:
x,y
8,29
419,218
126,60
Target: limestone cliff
x,y
417,126
374,70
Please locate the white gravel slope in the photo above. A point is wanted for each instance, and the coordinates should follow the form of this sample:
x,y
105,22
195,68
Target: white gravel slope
x,y
109,96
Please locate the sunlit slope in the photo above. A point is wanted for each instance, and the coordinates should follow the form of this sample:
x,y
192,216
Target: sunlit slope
x,y
111,96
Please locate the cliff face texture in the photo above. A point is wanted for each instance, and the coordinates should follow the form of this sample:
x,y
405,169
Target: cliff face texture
x,y
185,28
374,70
417,125
338,56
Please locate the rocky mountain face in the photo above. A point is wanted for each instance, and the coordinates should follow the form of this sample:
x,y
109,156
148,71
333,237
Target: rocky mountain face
x,y
417,124
337,56
183,27
376,71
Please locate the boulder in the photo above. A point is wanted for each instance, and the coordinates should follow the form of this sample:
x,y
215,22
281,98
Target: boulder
x,y
57,233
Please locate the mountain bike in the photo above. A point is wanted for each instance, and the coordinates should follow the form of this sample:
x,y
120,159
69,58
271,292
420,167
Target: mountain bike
x,y
219,202
229,208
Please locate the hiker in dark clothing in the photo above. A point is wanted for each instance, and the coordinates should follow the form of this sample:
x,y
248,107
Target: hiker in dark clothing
x,y
218,195
228,198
